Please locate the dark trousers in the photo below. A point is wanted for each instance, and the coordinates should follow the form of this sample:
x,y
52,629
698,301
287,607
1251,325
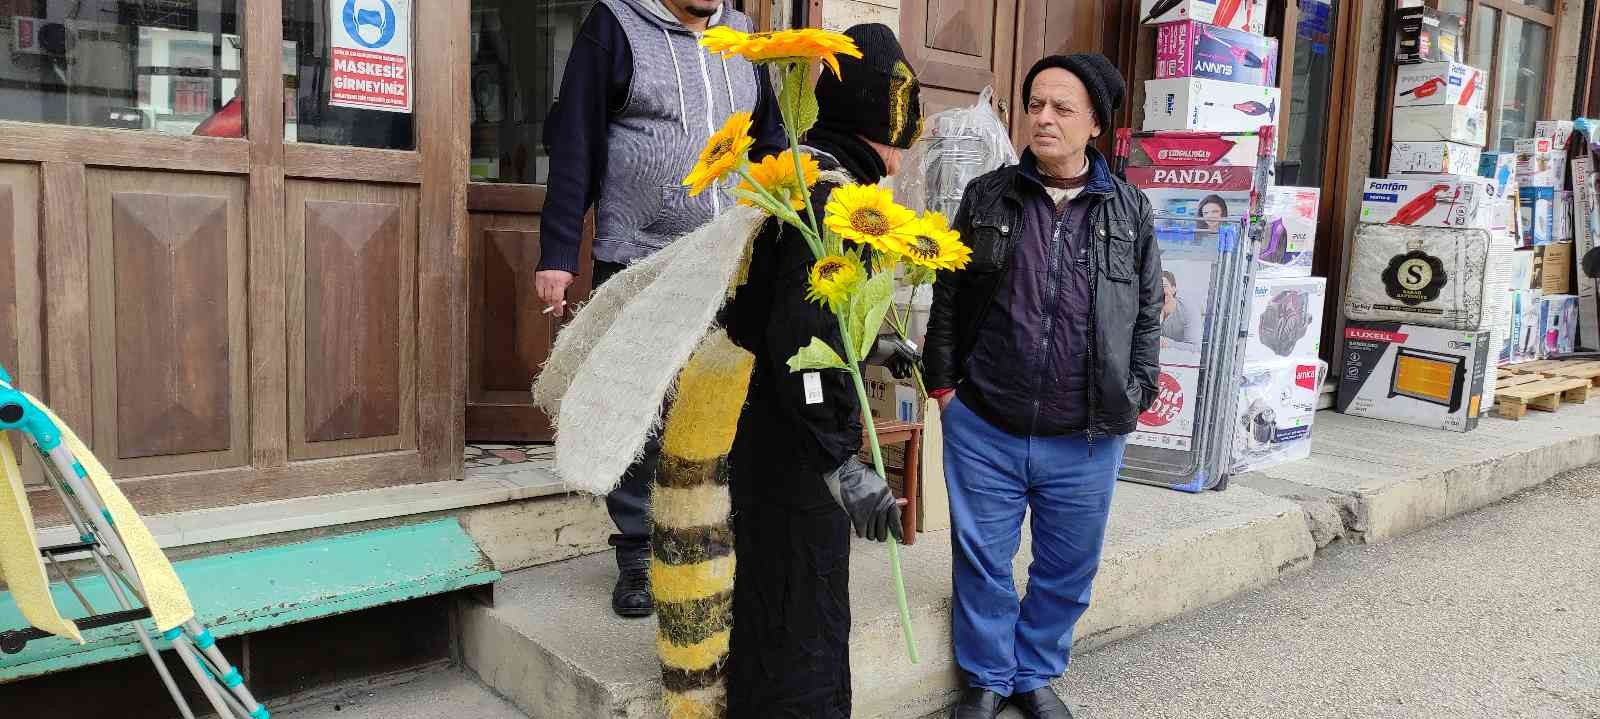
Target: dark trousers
x,y
629,503
789,657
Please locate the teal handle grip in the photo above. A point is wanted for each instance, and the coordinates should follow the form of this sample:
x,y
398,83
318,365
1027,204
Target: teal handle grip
x,y
17,412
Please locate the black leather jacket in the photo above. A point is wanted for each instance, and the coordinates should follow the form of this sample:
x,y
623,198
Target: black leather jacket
x,y
1125,277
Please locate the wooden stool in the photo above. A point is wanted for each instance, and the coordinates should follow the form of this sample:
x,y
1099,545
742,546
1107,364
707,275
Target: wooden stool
x,y
892,432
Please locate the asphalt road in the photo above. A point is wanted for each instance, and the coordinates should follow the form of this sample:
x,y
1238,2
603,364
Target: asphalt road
x,y
1493,614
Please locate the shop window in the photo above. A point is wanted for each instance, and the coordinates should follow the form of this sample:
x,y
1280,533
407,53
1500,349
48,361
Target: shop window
x,y
1311,67
332,85
1524,54
166,66
1482,26
519,52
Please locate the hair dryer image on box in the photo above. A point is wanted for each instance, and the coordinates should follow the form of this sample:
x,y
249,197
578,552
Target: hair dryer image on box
x,y
1285,321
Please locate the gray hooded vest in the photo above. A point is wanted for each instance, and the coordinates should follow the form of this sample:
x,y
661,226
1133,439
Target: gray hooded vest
x,y
681,94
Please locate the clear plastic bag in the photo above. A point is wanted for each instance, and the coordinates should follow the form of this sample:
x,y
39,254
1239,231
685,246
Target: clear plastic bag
x,y
957,146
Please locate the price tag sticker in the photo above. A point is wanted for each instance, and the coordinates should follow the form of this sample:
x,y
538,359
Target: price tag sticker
x,y
813,385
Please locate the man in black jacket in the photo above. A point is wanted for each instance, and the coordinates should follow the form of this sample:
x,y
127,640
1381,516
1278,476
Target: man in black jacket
x,y
797,484
639,97
1042,353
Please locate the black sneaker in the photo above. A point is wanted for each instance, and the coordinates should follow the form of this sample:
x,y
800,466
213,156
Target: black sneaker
x,y
1041,703
631,597
978,704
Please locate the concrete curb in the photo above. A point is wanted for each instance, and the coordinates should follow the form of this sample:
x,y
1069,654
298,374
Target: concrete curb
x,y
1381,480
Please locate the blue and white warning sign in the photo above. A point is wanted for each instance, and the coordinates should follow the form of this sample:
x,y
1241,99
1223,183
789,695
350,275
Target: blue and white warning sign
x,y
371,44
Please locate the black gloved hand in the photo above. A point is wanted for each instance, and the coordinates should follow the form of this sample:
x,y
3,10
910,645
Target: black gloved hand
x,y
898,355
866,499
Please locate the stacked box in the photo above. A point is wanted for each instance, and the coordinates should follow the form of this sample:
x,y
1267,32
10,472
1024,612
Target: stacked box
x,y
1427,376
1526,342
1425,34
1195,49
1285,318
1276,410
1191,103
1441,83
1585,228
1558,324
1440,123
1434,158
1429,201
1290,214
1247,15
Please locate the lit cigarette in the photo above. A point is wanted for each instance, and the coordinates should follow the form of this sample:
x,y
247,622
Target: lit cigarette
x,y
548,310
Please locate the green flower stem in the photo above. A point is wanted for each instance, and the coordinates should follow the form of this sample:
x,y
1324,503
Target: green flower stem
x,y
854,367
782,211
798,72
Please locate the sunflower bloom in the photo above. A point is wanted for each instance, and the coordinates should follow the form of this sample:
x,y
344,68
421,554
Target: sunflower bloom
x,y
775,174
723,153
929,242
783,45
869,215
833,278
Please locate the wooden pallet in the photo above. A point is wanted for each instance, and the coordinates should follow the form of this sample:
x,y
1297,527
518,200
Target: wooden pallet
x,y
1545,395
1536,367
1579,370
1513,380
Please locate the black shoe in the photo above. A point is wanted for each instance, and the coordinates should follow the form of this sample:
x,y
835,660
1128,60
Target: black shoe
x,y
631,598
978,704
1041,703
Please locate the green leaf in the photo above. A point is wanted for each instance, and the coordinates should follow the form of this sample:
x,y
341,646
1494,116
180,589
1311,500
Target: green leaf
x,y
867,308
817,355
797,99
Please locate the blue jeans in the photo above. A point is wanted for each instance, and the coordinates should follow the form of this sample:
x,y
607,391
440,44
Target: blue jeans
x,y
1001,644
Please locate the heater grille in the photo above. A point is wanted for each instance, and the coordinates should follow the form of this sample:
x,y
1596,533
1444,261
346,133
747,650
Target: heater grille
x,y
1429,377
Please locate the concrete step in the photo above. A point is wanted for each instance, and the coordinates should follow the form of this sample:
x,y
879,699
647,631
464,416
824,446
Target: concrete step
x,y
552,646
446,693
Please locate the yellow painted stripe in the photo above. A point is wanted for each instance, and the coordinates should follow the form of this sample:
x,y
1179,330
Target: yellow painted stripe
x,y
688,582
696,657
707,703
706,505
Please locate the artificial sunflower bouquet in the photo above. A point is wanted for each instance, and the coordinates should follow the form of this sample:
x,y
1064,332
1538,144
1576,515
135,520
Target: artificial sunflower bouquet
x,y
862,240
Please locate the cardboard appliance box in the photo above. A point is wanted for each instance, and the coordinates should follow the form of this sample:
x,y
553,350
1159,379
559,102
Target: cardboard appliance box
x,y
890,398
1539,164
1195,49
1291,232
1426,376
1526,343
1441,123
1503,218
1247,15
1552,271
1174,148
1585,228
1563,219
1285,318
1523,267
1424,34
1434,158
1428,201
1441,83
1558,324
1559,132
1277,404
1180,192
1189,103
1537,210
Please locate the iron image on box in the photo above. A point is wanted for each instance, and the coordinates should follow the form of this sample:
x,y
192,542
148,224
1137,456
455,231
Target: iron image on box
x,y
1195,49
1441,83
1277,403
1291,232
1285,318
1440,123
1426,376
1190,103
1247,15
1558,324
1434,158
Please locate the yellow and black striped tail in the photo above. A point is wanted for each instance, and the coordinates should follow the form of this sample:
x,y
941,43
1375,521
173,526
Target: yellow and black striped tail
x,y
692,567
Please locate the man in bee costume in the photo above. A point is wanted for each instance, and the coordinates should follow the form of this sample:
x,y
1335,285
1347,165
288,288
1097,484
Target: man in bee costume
x,y
775,643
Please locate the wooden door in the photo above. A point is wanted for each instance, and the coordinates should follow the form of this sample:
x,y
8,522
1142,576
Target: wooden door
x,y
1064,27
959,47
510,336
231,319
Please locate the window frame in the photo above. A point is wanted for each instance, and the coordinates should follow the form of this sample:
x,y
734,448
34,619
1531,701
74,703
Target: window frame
x,y
1550,20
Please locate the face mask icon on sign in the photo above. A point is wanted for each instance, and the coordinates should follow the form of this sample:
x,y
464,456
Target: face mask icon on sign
x,y
371,23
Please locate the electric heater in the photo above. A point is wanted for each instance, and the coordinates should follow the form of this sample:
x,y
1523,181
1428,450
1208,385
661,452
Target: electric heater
x,y
1428,376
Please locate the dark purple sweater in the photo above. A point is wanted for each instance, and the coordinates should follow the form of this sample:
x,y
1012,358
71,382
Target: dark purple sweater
x,y
1028,371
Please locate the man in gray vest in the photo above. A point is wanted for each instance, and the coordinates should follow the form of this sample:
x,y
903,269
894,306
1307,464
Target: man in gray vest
x,y
639,98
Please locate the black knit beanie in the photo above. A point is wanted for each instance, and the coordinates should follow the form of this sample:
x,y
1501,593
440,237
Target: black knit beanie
x,y
877,96
1097,73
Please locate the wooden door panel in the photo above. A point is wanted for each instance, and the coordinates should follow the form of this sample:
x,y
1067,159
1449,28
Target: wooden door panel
x,y
958,47
1064,27
167,257
20,315
509,334
352,318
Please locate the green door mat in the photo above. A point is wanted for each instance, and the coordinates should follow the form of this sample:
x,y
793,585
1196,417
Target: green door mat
x,y
250,591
